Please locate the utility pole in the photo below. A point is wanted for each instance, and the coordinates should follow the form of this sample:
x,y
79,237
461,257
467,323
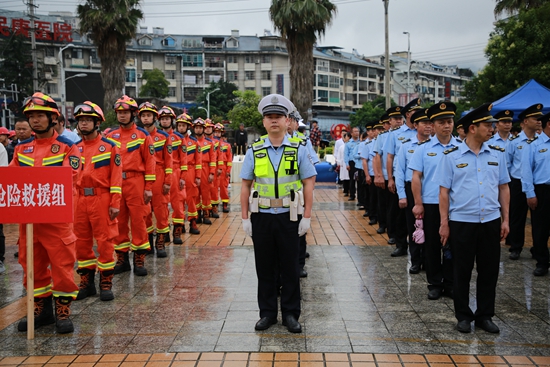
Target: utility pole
x,y
387,57
31,6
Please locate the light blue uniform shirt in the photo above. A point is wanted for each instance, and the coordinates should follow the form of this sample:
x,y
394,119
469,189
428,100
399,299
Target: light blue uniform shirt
x,y
350,149
72,136
365,153
393,142
425,159
514,151
535,166
357,156
473,181
379,149
402,173
309,146
306,168
497,140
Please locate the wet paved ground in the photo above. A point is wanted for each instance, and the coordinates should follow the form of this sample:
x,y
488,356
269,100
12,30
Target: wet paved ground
x,y
360,307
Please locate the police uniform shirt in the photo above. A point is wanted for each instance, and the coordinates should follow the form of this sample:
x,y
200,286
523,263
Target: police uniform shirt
x,y
425,159
379,149
311,152
514,152
396,137
473,182
349,150
365,153
402,173
306,169
356,156
535,166
497,140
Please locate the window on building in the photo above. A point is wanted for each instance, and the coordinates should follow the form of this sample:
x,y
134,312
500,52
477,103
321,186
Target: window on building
x,y
192,60
266,75
350,83
191,43
322,96
49,52
170,74
145,41
130,75
171,91
147,57
334,97
170,59
51,88
94,58
323,65
232,43
76,53
322,80
232,76
266,91
168,42
231,59
266,59
249,75
249,60
334,82
250,88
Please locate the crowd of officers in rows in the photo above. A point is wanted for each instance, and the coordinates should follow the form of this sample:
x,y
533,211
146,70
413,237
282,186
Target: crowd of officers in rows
x,y
410,167
122,177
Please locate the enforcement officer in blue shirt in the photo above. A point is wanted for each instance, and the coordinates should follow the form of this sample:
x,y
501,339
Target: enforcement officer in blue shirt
x,y
367,155
518,201
403,177
381,175
283,176
423,164
503,126
350,150
473,204
535,181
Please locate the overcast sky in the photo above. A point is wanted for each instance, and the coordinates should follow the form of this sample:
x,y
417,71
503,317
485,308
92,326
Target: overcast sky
x,y
441,31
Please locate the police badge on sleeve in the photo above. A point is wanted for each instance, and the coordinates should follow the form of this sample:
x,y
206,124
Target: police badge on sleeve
x,y
74,162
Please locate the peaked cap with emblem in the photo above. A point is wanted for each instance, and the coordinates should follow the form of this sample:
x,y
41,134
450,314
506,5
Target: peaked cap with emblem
x,y
480,114
276,104
384,119
544,119
370,125
419,115
395,111
504,116
412,105
531,111
442,110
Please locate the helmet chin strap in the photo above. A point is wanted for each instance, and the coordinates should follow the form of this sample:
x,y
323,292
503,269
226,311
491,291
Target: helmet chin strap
x,y
50,126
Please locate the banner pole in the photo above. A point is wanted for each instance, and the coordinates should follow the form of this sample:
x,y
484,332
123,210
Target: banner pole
x,y
30,281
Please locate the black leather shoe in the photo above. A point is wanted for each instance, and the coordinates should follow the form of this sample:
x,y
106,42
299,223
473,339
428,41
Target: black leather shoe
x,y
540,271
434,294
414,269
292,324
391,241
381,230
487,325
373,221
464,326
264,323
346,194
365,214
351,199
307,255
399,252
514,255
303,273
448,293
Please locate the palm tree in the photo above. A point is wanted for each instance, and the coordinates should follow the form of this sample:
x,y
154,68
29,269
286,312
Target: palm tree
x,y
301,22
514,6
111,23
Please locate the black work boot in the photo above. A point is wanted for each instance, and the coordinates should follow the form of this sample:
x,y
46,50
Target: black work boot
x,y
63,323
206,214
161,252
139,263
199,218
105,285
43,314
178,229
151,250
214,212
193,229
122,262
225,207
87,283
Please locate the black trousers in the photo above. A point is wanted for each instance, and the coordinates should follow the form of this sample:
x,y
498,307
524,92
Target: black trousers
x,y
352,182
397,222
439,270
240,149
540,225
518,216
345,186
414,248
383,212
276,252
373,199
362,197
479,244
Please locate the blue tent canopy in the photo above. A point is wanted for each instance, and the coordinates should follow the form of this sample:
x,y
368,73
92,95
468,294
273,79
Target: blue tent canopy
x,y
527,95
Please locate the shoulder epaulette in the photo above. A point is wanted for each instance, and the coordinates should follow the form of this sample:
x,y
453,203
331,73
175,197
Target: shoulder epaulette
x,y
64,140
513,137
143,130
424,141
110,142
405,141
368,142
496,147
162,132
529,141
258,144
450,150
457,139
395,128
296,142
179,135
383,132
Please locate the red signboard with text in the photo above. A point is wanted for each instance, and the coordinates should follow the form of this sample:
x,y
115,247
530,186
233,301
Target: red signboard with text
x,y
36,195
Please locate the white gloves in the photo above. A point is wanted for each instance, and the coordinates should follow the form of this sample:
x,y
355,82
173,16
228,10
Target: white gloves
x,y
247,226
304,226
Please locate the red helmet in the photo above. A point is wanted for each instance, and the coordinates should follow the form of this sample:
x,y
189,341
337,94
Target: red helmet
x,y
185,118
40,102
209,123
167,111
89,109
125,103
4,131
148,106
12,134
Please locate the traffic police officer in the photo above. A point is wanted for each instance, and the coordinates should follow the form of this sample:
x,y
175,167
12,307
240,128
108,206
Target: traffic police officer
x,y
473,204
283,178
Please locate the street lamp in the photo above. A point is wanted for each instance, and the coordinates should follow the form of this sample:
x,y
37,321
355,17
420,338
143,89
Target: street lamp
x,y
202,108
208,100
408,65
62,76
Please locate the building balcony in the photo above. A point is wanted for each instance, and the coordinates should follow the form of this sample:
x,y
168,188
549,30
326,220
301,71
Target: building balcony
x,y
233,67
170,67
48,60
266,67
146,65
249,66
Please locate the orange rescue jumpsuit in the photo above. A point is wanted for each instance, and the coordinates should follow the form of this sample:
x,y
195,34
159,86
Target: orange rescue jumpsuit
x,y
99,187
54,243
208,156
137,151
179,160
194,169
215,187
225,148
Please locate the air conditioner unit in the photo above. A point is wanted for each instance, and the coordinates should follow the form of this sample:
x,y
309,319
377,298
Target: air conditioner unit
x,y
48,76
68,56
139,75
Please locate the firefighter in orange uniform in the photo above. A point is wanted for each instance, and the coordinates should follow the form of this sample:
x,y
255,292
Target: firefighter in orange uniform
x,y
99,189
194,169
225,149
138,162
54,243
208,156
215,186
179,161
148,115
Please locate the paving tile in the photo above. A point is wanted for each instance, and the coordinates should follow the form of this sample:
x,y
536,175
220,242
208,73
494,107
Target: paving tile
x,y
261,356
183,364
209,363
241,363
412,358
285,364
211,356
260,364
12,360
286,357
137,357
108,364
36,360
336,357
491,360
113,358
187,356
518,360
65,359
385,358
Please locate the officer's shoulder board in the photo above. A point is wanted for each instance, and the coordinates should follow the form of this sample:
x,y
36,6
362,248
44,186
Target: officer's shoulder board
x,y
529,141
513,137
457,139
64,140
110,142
178,135
395,128
450,150
383,132
296,142
405,141
143,130
258,144
496,147
423,141
162,132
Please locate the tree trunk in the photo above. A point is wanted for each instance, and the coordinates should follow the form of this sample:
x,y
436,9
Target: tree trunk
x,y
301,74
113,74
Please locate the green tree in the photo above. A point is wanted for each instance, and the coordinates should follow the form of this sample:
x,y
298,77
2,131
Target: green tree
x,y
371,111
515,6
301,23
111,24
246,111
221,101
517,51
156,86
